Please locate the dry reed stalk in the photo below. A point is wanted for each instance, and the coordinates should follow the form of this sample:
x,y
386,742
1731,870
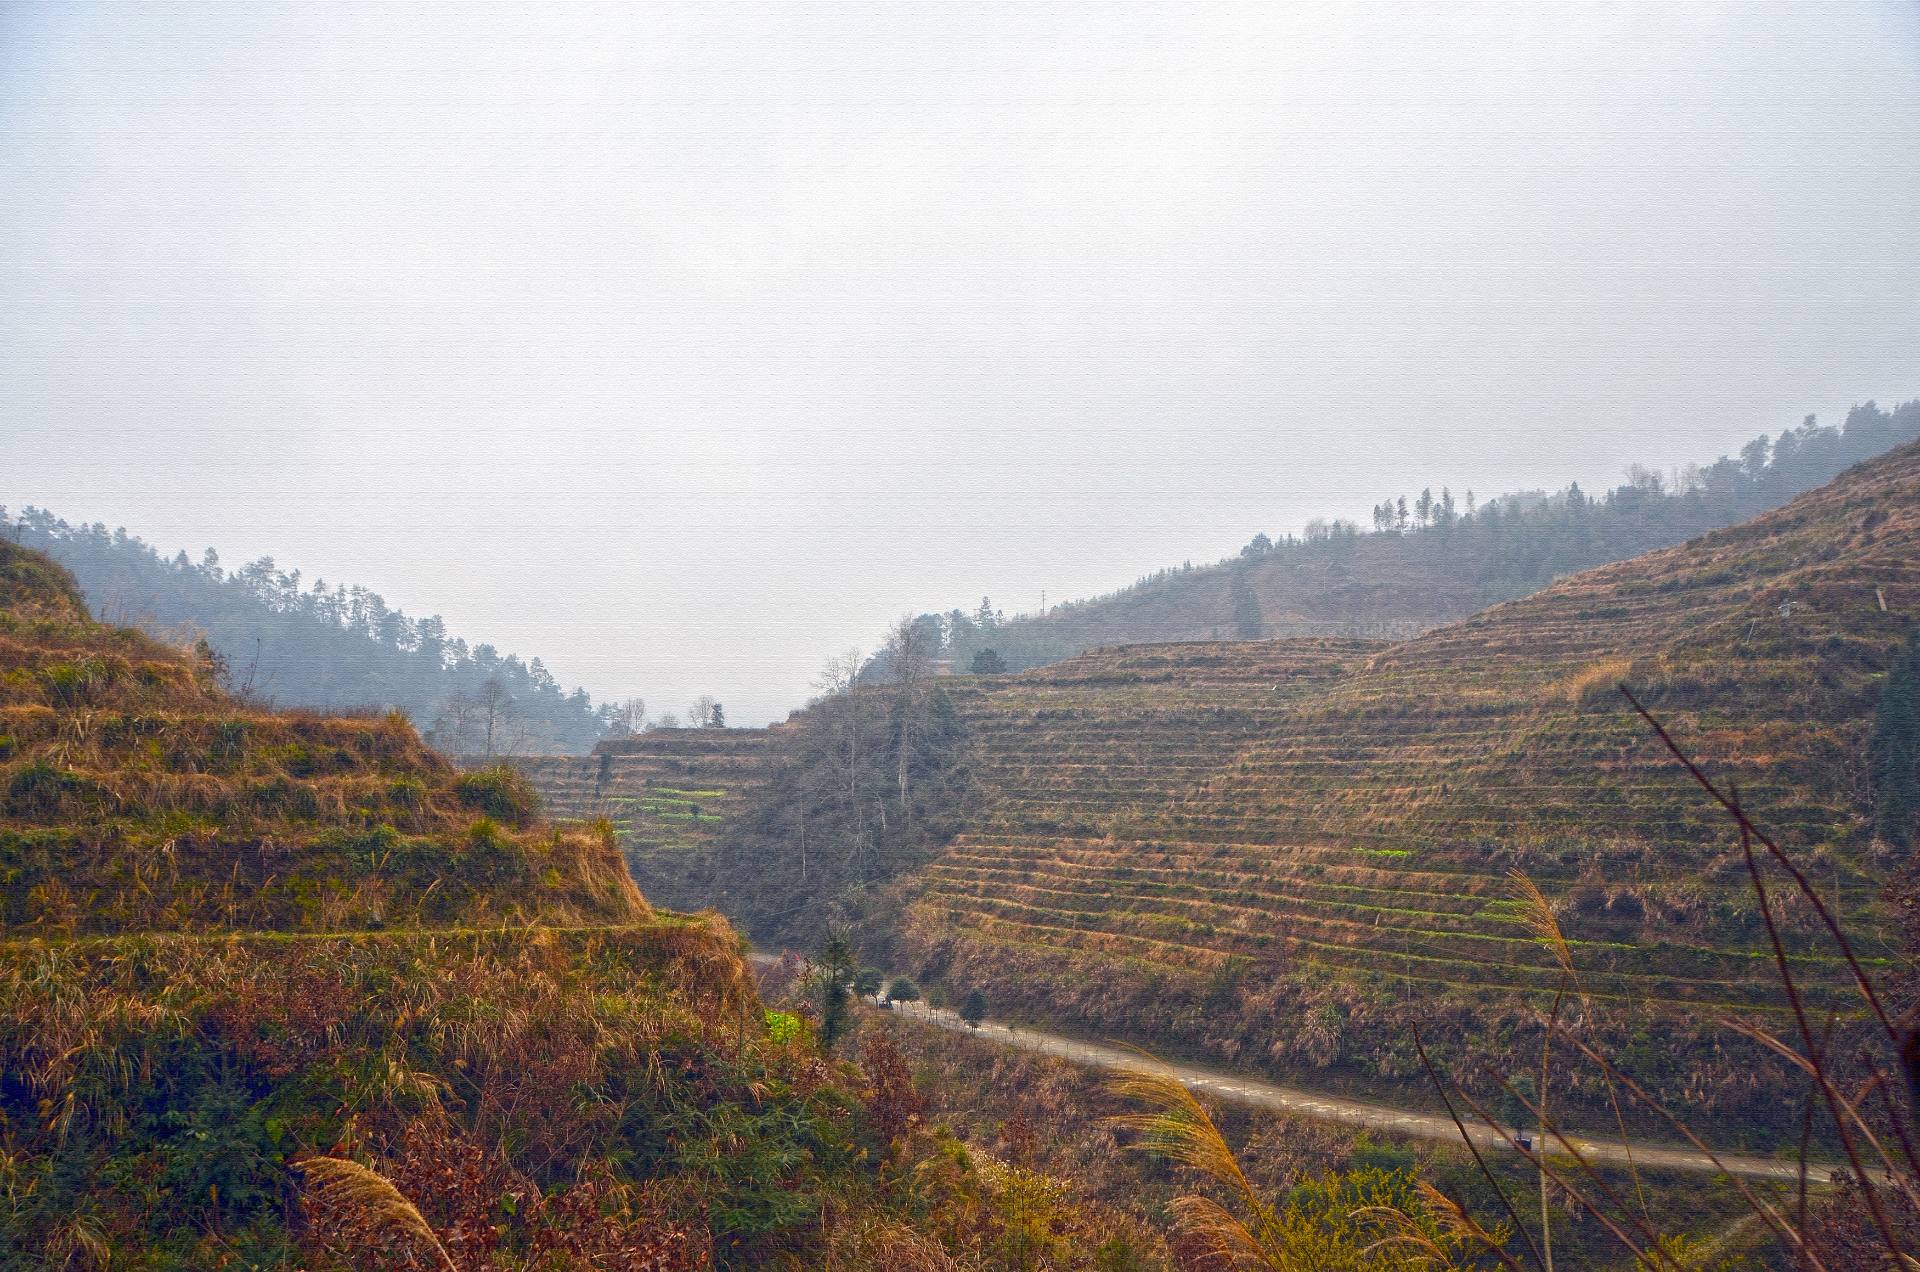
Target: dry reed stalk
x,y
372,1199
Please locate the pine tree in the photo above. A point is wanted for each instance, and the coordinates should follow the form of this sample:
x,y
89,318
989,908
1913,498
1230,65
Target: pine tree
x,y
988,662
833,977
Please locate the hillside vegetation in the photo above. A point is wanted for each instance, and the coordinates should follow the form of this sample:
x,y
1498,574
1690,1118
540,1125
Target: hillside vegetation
x,y
134,794
288,991
1286,853
1430,558
278,640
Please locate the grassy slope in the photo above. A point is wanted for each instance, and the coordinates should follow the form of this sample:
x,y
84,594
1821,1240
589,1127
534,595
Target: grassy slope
x,y
233,938
1289,851
134,795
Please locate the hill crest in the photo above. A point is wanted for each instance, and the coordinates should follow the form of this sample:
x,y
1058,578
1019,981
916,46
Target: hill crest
x,y
1406,575
135,795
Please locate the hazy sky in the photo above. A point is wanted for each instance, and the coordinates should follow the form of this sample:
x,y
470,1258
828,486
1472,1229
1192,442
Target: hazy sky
x,y
684,344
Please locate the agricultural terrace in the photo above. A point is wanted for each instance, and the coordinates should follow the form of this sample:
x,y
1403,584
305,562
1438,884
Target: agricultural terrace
x,y
668,794
1287,851
135,796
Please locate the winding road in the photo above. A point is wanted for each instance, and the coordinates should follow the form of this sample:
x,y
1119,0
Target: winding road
x,y
1261,1094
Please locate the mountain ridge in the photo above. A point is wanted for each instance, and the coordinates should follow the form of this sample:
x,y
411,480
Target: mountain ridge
x,y
1412,571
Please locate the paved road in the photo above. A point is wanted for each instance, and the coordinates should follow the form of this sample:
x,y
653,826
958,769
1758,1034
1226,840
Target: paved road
x,y
1262,1094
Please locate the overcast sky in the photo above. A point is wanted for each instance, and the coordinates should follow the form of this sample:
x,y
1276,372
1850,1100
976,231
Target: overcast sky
x,y
684,344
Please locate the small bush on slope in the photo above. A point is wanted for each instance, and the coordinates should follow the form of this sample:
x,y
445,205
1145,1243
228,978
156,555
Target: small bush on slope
x,y
499,792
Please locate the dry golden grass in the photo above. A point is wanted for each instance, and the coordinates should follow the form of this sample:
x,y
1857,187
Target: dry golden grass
x,y
1595,680
368,1199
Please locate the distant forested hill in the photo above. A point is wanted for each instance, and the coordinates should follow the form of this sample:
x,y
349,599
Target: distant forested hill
x,y
1425,560
293,645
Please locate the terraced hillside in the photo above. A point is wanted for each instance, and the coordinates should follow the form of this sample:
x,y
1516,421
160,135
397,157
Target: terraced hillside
x,y
667,792
244,954
133,794
1287,852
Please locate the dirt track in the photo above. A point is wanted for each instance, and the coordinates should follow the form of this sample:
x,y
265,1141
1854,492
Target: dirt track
x,y
1259,1093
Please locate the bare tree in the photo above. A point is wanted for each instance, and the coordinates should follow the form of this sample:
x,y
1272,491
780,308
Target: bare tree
x,y
837,679
840,703
496,707
453,727
910,662
631,715
700,714
521,734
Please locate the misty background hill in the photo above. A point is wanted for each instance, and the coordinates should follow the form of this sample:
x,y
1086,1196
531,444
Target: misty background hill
x,y
1426,559
326,647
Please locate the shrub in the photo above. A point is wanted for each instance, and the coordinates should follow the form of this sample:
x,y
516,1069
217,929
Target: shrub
x,y
72,684
500,792
44,790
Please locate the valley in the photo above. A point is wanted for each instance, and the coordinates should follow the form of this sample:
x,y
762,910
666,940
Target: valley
x,y
1282,867
856,636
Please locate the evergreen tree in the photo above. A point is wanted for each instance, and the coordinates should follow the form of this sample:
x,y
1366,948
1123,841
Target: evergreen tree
x,y
988,662
1248,622
902,990
833,982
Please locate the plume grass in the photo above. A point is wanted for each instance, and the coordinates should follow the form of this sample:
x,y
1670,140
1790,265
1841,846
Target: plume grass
x,y
368,1197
